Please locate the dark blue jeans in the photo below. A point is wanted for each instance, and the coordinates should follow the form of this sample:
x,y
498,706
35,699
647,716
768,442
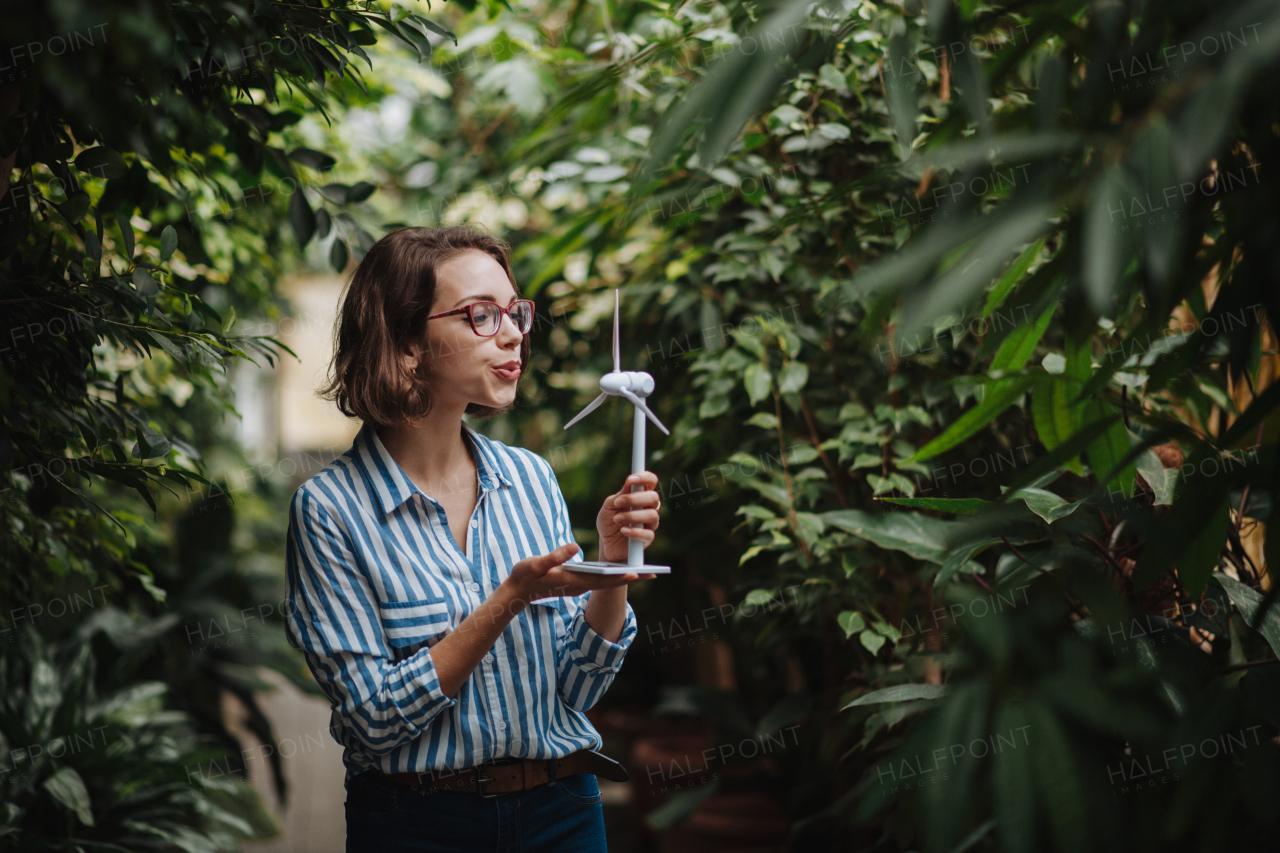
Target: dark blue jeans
x,y
561,817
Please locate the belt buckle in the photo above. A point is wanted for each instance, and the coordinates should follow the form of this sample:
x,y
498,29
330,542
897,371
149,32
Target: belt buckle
x,y
480,780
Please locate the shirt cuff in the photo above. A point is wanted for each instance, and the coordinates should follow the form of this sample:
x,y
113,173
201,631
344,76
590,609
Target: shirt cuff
x,y
591,652
414,688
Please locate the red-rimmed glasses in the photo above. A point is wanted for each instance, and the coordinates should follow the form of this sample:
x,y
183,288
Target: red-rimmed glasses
x,y
486,317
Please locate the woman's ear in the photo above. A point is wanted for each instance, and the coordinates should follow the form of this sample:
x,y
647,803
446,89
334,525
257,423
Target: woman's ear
x,y
410,358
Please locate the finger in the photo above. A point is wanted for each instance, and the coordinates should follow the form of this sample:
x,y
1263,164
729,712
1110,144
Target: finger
x,y
637,516
560,555
648,498
644,534
645,479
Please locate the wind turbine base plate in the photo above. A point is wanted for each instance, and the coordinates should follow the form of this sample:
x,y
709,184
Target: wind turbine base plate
x,y
599,568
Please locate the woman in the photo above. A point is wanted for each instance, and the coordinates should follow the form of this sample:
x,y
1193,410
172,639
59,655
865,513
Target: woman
x,y
426,577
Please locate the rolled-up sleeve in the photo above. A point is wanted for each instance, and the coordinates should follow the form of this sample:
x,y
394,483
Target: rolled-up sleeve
x,y
589,662
334,619
586,662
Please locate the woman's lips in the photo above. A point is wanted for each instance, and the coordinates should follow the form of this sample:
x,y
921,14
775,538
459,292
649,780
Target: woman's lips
x,y
513,373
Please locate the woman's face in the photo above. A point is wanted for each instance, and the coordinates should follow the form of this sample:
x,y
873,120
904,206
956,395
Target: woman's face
x,y
461,365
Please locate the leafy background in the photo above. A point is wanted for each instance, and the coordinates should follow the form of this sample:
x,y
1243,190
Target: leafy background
x,y
932,316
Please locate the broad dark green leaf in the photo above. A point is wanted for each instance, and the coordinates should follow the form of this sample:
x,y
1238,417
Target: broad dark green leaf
x,y
1248,602
101,162
75,207
1106,452
901,84
922,537
301,217
1057,778
1012,780
359,192
338,255
317,160
1108,245
168,243
68,788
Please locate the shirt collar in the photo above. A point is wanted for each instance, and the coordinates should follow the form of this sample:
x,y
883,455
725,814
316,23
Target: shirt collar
x,y
392,486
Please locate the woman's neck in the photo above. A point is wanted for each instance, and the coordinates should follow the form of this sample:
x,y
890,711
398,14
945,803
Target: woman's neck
x,y
432,452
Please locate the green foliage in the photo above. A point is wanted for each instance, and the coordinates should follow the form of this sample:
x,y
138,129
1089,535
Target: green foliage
x,y
144,176
867,269
906,277
94,760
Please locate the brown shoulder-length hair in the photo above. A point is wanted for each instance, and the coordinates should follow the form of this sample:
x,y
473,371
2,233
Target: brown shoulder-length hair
x,y
385,307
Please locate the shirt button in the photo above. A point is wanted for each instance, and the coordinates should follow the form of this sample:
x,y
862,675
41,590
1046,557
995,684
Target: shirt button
x,y
474,587
501,726
475,522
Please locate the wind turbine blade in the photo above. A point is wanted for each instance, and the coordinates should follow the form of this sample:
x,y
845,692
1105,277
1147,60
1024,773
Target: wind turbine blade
x,y
617,342
639,404
591,407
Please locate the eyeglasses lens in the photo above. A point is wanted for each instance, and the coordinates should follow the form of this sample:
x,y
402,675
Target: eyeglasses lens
x,y
488,316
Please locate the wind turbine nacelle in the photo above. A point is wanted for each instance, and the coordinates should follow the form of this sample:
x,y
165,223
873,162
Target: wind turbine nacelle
x,y
637,382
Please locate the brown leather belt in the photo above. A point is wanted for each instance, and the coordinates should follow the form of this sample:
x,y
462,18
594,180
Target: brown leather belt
x,y
506,777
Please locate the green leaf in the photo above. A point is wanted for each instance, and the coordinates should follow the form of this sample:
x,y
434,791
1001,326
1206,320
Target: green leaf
x,y
1054,419
1197,562
1016,349
301,217
1000,395
793,378
871,640
126,232
1015,225
734,88
1248,602
1109,448
68,788
75,207
900,693
1162,480
1046,504
1011,277
338,255
1057,779
713,406
851,622
960,558
359,192
1012,782
317,160
764,420
101,162
435,28
917,535
757,381
145,282
901,84
168,243
960,506
1108,245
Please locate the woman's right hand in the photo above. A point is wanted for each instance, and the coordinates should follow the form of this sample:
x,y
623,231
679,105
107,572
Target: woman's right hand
x,y
540,577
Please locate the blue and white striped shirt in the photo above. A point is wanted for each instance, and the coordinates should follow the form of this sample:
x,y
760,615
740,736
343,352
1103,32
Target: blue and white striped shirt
x,y
375,579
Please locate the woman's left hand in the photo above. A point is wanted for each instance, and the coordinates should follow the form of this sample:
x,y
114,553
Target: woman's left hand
x,y
626,507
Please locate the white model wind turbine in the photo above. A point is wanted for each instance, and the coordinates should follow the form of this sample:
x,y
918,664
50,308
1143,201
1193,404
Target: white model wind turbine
x,y
634,385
